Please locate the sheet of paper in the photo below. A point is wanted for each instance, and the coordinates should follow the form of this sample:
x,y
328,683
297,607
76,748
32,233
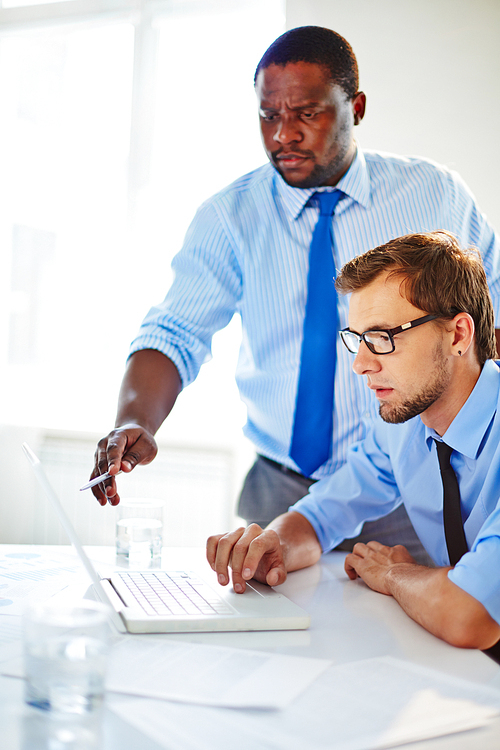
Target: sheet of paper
x,y
34,575
377,703
210,675
155,667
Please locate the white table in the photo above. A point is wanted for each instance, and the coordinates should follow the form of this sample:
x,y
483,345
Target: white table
x,y
349,623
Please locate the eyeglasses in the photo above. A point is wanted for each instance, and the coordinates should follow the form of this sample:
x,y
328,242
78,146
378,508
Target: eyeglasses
x,y
379,342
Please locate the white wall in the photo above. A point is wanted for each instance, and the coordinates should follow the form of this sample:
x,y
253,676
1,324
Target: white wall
x,y
430,71
103,259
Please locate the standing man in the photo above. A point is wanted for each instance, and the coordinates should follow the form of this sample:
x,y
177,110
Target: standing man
x,y
267,247
421,330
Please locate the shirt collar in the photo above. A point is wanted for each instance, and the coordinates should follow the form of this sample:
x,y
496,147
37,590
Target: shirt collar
x,y
355,184
467,431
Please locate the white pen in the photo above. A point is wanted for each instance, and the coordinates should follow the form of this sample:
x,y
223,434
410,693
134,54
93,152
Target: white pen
x,y
98,480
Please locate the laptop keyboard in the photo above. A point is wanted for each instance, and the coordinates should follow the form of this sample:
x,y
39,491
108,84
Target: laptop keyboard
x,y
172,593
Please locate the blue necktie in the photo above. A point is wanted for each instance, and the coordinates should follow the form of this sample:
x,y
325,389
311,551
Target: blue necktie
x,y
313,424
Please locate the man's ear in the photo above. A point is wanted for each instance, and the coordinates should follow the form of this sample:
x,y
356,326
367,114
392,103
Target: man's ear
x,y
463,333
358,107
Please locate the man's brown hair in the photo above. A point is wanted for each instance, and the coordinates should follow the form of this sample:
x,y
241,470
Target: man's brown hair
x,y
437,276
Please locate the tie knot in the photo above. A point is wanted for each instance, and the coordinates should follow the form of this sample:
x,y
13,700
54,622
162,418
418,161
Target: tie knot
x,y
327,201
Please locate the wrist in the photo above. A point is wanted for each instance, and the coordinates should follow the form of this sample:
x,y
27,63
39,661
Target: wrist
x,y
394,575
285,553
132,423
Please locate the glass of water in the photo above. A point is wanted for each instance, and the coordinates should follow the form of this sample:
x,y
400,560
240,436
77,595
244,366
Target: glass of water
x,y
65,655
139,530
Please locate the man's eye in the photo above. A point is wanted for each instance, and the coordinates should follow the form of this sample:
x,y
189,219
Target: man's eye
x,y
377,337
270,117
308,115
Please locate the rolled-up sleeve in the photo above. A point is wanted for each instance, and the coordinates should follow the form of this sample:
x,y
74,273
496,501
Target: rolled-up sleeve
x,y
202,299
473,228
364,489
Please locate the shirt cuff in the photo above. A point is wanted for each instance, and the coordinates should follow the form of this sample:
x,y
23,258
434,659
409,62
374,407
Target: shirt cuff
x,y
477,574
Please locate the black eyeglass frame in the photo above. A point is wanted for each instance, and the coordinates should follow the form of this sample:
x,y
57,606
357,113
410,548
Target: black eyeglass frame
x,y
391,332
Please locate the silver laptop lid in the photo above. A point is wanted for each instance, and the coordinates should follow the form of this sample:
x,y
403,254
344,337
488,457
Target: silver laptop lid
x,y
260,608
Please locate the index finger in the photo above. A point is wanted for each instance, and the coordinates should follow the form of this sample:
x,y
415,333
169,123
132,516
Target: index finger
x,y
116,446
251,552
220,551
349,565
248,552
212,543
106,491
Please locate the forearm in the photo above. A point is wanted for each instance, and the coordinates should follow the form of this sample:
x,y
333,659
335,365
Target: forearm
x,y
298,539
149,390
431,599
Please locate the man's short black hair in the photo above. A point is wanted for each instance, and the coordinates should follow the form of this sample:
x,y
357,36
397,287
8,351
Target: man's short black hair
x,y
315,44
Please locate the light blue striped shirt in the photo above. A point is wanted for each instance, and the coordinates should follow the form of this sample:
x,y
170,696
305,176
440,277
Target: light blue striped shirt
x,y
398,463
246,251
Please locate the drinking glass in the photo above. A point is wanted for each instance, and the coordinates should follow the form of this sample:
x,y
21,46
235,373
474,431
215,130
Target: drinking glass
x,y
65,653
139,528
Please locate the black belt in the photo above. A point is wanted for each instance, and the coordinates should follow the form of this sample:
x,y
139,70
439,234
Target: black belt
x,y
285,469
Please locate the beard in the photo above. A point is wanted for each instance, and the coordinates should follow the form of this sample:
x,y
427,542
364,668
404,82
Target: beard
x,y
336,163
319,175
425,398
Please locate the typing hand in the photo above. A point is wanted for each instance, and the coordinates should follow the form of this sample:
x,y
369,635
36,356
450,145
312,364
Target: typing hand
x,y
121,450
250,553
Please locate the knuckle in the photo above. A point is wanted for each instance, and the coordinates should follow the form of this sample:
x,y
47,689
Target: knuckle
x,y
213,541
101,446
114,442
224,543
240,549
259,543
254,528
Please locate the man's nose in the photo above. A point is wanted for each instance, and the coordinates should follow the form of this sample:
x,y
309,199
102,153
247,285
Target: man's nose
x,y
365,361
287,130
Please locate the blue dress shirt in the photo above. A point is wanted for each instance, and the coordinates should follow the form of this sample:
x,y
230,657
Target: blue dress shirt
x,y
397,464
247,251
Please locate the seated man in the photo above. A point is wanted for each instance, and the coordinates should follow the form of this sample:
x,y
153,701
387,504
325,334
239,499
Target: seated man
x,y
421,327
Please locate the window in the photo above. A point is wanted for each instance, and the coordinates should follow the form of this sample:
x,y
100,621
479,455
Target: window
x,y
118,120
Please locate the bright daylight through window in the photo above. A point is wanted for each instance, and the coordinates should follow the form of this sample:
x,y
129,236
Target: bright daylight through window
x,y
117,121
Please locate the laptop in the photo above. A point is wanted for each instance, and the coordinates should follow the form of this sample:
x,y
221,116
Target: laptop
x,y
177,601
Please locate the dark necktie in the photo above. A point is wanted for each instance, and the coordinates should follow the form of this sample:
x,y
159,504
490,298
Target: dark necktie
x,y
313,423
452,514
452,518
